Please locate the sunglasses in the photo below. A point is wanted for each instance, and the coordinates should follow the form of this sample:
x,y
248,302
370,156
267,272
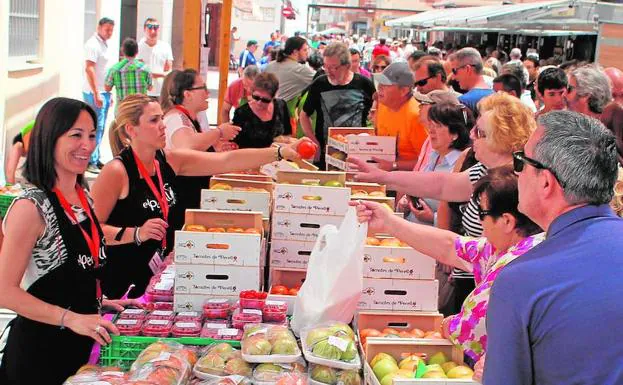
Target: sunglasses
x,y
203,87
455,70
258,98
376,68
479,133
155,27
483,213
422,82
520,160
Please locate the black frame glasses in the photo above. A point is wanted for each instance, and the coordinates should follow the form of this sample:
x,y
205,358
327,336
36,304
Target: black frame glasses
x,y
520,160
262,99
203,87
455,70
379,67
483,213
152,26
422,82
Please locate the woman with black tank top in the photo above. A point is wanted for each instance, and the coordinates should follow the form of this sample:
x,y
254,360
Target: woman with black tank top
x,y
54,246
136,197
185,98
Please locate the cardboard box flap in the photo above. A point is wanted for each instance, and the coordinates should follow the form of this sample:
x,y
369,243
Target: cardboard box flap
x,y
213,218
301,177
238,183
367,187
246,177
351,130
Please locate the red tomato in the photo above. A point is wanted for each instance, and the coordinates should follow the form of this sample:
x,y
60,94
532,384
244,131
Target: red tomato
x,y
306,149
293,291
279,289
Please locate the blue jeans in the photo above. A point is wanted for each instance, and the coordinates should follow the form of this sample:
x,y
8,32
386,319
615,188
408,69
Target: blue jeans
x,y
101,120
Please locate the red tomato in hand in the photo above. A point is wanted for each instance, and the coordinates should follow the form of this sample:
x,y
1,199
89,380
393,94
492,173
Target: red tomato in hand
x,y
279,289
293,291
306,149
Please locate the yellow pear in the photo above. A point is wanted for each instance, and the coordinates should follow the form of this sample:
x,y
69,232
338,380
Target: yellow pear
x,y
410,363
460,372
379,357
447,366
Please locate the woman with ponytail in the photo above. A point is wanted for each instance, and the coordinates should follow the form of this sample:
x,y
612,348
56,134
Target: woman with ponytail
x,y
136,197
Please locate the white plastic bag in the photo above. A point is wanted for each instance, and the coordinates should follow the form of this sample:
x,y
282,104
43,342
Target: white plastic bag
x,y
334,280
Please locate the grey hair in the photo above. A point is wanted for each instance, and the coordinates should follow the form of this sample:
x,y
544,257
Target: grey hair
x,y
338,50
515,54
494,64
592,82
251,71
518,70
582,153
471,56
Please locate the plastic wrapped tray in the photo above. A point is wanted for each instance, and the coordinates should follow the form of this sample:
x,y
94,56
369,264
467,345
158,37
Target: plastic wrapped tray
x,y
242,317
168,315
354,364
132,314
189,316
217,308
186,329
129,327
157,328
263,343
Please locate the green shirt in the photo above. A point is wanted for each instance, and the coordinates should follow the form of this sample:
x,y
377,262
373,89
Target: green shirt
x,y
129,77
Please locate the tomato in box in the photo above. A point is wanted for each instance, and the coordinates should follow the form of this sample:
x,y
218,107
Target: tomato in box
x,y
275,311
186,329
251,299
242,317
129,327
157,328
279,289
221,333
216,308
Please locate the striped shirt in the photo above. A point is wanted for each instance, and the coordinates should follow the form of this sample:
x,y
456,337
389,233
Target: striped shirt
x,y
129,77
471,220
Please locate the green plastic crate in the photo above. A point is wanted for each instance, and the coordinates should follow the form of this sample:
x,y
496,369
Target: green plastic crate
x,y
5,203
124,350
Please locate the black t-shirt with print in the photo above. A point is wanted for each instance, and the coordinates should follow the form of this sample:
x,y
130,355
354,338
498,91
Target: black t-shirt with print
x,y
255,133
339,106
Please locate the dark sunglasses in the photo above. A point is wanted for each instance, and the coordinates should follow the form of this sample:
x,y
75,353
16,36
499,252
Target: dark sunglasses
x,y
520,160
203,87
483,213
422,82
455,70
258,98
379,68
152,26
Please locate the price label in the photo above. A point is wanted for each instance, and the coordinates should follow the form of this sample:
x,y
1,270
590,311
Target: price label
x,y
158,322
164,285
228,332
252,311
186,324
162,313
338,342
217,300
127,322
188,314
216,326
275,303
133,311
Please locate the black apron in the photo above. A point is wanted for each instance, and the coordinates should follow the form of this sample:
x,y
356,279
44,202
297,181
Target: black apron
x,y
38,353
128,263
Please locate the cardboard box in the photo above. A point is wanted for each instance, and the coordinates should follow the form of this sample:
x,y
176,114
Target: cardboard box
x,y
236,201
343,165
397,263
401,321
367,187
305,177
361,144
246,177
194,302
287,277
317,200
212,248
290,254
271,169
243,185
396,347
399,294
301,227
216,280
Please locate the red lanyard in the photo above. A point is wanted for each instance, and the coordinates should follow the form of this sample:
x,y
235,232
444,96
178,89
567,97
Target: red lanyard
x,y
160,195
93,240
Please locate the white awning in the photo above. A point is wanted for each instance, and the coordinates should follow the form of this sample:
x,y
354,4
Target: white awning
x,y
471,16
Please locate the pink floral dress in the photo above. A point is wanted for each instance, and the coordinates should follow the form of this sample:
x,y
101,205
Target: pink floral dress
x,y
467,328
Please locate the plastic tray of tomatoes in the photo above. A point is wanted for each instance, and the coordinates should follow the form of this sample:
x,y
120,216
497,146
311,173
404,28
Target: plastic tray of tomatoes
x,y
186,329
251,299
158,305
168,315
224,333
160,288
132,314
189,316
241,317
275,311
129,327
217,308
157,328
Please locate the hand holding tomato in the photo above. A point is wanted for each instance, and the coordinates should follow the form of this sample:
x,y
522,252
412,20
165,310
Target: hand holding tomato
x,y
306,149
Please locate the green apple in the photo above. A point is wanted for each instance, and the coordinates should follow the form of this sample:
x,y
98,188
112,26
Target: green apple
x,y
316,335
447,366
333,183
350,353
325,350
324,374
285,346
389,379
438,358
461,372
381,356
384,367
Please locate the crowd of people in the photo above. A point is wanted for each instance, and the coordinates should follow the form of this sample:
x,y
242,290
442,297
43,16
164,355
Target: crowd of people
x,y
508,171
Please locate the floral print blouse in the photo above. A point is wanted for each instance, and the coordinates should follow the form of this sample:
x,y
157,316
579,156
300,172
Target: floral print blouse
x,y
467,328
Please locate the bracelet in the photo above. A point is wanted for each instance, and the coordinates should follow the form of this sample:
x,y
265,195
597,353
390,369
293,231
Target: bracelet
x,y
279,156
120,234
137,238
63,318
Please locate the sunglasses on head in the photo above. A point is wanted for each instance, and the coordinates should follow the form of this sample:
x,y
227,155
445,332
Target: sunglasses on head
x,y
520,160
258,98
422,82
152,26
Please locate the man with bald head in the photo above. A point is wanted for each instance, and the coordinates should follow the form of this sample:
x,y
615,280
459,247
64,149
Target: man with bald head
x,y
616,77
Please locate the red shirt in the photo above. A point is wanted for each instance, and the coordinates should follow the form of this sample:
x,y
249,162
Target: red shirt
x,y
236,92
380,50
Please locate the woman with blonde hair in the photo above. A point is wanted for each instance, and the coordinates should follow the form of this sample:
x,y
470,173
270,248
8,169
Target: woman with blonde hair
x,y
135,195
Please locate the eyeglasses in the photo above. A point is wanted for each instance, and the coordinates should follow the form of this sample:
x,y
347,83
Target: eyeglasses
x,y
379,68
455,70
520,160
483,213
258,98
479,133
422,82
155,27
203,87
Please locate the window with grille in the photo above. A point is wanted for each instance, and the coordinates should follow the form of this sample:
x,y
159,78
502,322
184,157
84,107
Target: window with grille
x,y
90,18
24,29
268,14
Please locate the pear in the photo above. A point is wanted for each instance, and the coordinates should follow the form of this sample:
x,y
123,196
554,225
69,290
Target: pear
x,y
438,358
410,363
434,374
384,367
461,372
379,357
447,366
389,378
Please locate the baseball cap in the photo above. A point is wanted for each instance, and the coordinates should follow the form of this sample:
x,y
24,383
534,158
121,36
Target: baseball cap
x,y
251,42
398,74
436,96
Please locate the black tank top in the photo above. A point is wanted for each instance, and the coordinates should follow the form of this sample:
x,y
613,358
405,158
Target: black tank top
x,y
128,263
